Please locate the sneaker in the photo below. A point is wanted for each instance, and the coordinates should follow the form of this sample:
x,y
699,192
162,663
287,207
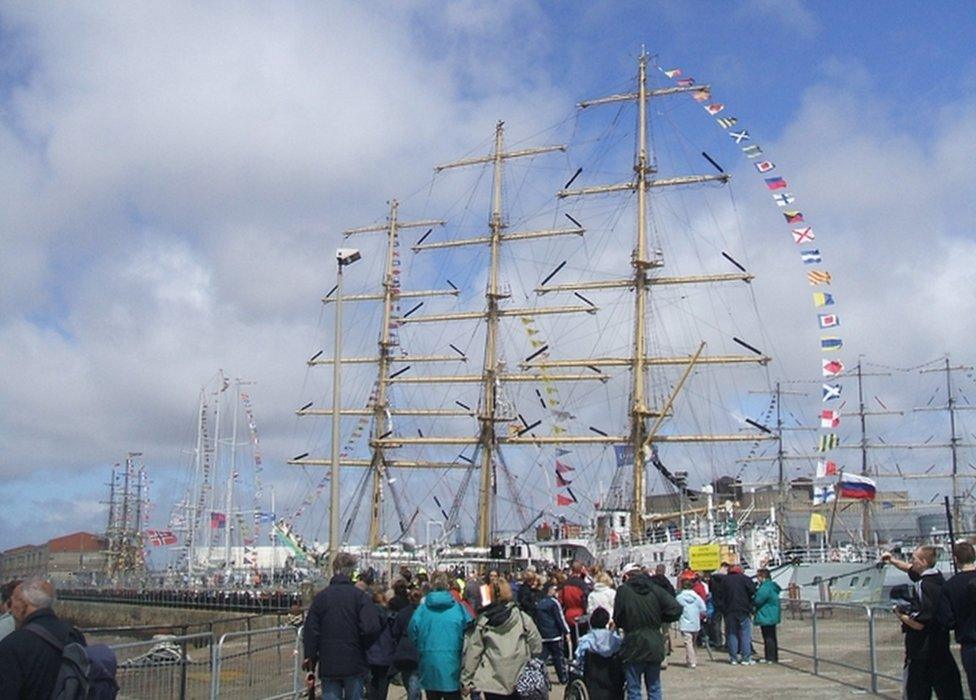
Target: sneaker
x,y
763,661
748,662
733,662
694,665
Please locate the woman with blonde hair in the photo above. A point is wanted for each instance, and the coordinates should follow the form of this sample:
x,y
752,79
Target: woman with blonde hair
x,y
603,594
499,645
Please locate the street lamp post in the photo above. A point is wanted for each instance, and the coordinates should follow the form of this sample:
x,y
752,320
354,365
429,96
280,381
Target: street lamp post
x,y
344,257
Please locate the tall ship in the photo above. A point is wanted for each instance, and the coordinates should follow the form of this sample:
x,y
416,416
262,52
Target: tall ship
x,y
568,361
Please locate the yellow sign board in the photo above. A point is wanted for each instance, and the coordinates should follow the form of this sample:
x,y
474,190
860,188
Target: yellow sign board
x,y
704,557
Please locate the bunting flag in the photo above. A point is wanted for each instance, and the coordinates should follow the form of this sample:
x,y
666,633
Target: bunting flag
x,y
560,452
562,468
673,73
561,481
818,523
826,468
828,320
859,488
217,520
831,368
562,500
808,256
686,82
828,442
624,454
831,392
829,418
702,95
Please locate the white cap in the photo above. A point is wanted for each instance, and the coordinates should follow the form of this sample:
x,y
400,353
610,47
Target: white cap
x,y
629,568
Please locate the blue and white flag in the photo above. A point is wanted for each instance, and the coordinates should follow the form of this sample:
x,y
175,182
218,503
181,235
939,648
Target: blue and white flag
x,y
810,256
784,199
831,392
823,494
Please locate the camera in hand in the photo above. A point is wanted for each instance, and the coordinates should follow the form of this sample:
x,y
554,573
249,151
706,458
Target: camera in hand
x,y
904,599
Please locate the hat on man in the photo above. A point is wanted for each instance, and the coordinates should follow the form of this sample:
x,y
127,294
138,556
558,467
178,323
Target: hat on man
x,y
629,568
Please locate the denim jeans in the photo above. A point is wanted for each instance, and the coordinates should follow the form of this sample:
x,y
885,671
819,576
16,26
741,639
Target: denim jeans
x,y
740,637
554,650
411,682
651,673
346,688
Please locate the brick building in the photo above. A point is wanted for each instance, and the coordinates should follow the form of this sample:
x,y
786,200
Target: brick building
x,y
76,558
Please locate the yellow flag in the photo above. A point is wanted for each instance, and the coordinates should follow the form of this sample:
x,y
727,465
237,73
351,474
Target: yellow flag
x,y
818,523
526,319
558,430
537,343
532,331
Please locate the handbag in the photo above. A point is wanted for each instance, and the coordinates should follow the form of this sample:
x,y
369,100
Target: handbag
x,y
533,681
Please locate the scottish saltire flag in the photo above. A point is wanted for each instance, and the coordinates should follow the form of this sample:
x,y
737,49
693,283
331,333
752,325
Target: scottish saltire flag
x,y
783,199
715,108
829,342
829,418
823,494
857,487
810,256
764,166
822,299
739,136
831,392
775,183
826,468
827,443
828,320
831,368
794,217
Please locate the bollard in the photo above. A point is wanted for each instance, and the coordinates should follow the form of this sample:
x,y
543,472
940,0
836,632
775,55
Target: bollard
x,y
872,650
816,657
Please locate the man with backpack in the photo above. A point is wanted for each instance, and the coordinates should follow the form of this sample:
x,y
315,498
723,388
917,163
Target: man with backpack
x,y
30,660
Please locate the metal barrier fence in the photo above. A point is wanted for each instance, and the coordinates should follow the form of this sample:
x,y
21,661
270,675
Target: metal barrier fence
x,y
858,645
262,664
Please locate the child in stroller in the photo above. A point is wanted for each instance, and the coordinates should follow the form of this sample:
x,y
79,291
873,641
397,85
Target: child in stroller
x,y
597,672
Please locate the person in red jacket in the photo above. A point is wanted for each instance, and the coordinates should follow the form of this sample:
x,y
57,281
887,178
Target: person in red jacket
x,y
573,596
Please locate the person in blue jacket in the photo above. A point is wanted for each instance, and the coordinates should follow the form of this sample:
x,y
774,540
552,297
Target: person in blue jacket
x,y
437,630
551,622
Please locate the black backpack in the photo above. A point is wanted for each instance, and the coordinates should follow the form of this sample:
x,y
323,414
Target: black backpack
x,y
81,677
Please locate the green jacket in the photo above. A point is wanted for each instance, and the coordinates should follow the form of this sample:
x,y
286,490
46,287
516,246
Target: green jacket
x,y
767,604
640,608
496,648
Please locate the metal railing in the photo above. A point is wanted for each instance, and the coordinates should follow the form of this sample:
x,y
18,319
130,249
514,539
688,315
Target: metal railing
x,y
249,664
858,645
261,664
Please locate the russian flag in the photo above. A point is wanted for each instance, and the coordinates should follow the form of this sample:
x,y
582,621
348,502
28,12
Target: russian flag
x,y
857,487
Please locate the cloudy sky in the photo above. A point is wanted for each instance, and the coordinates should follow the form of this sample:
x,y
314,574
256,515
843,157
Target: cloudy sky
x,y
175,178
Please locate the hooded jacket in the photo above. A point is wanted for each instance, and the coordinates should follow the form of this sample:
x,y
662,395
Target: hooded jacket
x,y
641,607
497,647
767,603
437,630
693,607
601,597
405,652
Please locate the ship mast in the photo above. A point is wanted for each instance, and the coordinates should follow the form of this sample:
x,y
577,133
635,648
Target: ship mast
x,y
380,408
639,362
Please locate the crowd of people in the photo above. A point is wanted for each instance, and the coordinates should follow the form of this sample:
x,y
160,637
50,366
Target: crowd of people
x,y
492,635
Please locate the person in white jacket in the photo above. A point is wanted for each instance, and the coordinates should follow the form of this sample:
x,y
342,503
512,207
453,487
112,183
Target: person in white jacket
x,y
693,607
603,594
